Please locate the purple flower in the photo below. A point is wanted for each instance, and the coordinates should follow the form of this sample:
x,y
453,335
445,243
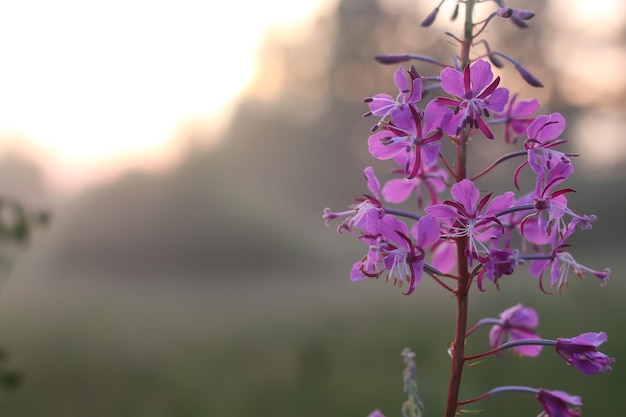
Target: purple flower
x,y
556,404
516,119
376,413
412,133
443,254
517,323
498,262
467,216
429,181
561,262
581,352
410,92
394,252
553,203
477,94
369,265
366,214
542,137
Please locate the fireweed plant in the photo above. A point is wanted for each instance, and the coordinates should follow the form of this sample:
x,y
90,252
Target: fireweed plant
x,y
472,237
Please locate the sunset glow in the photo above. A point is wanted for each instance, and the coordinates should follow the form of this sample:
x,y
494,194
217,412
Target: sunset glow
x,y
92,86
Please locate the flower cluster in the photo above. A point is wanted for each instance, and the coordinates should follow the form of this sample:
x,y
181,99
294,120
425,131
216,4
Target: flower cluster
x,y
503,231
459,235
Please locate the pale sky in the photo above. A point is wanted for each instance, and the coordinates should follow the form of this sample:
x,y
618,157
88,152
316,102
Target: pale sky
x,y
93,86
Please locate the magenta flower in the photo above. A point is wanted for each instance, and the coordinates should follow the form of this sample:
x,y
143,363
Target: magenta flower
x,y
427,184
477,94
376,413
515,118
551,205
467,216
581,352
542,138
550,202
410,92
561,262
369,265
496,263
517,323
406,260
394,252
556,404
443,254
412,133
366,214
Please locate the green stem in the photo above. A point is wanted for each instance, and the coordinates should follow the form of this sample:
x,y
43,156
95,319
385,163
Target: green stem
x,y
465,278
468,33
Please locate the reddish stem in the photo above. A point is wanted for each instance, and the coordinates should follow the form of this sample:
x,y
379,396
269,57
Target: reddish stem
x,y
465,277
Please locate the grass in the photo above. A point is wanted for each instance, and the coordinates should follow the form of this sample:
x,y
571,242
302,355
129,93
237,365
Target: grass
x,y
318,346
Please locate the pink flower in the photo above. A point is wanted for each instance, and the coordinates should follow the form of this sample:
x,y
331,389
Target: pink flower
x,y
542,138
556,404
517,323
477,94
412,133
427,184
561,262
581,352
516,119
410,92
394,252
467,216
496,263
366,214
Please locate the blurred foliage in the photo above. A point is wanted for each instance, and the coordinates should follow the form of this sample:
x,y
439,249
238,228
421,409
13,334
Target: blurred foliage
x,y
16,227
18,222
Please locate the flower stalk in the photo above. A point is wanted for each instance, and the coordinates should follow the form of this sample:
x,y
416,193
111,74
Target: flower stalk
x,y
472,236
463,285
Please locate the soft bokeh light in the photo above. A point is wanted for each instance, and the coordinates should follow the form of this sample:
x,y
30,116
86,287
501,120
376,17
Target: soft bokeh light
x,y
96,86
590,75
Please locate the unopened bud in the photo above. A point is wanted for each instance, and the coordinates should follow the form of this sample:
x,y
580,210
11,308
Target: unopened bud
x,y
430,18
495,61
523,14
455,13
392,59
518,22
527,76
505,12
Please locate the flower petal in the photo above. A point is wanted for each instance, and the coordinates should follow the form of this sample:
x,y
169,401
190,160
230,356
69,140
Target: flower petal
x,y
452,82
466,193
398,190
428,231
481,76
382,151
372,182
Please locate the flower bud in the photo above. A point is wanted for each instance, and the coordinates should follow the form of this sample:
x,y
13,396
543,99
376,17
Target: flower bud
x,y
392,59
523,14
430,18
495,61
527,76
518,22
505,12
455,13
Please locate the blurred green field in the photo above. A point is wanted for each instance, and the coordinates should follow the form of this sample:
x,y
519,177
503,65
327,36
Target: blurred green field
x,y
316,346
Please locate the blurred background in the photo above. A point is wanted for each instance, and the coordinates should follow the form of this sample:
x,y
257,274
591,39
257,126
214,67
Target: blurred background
x,y
186,151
